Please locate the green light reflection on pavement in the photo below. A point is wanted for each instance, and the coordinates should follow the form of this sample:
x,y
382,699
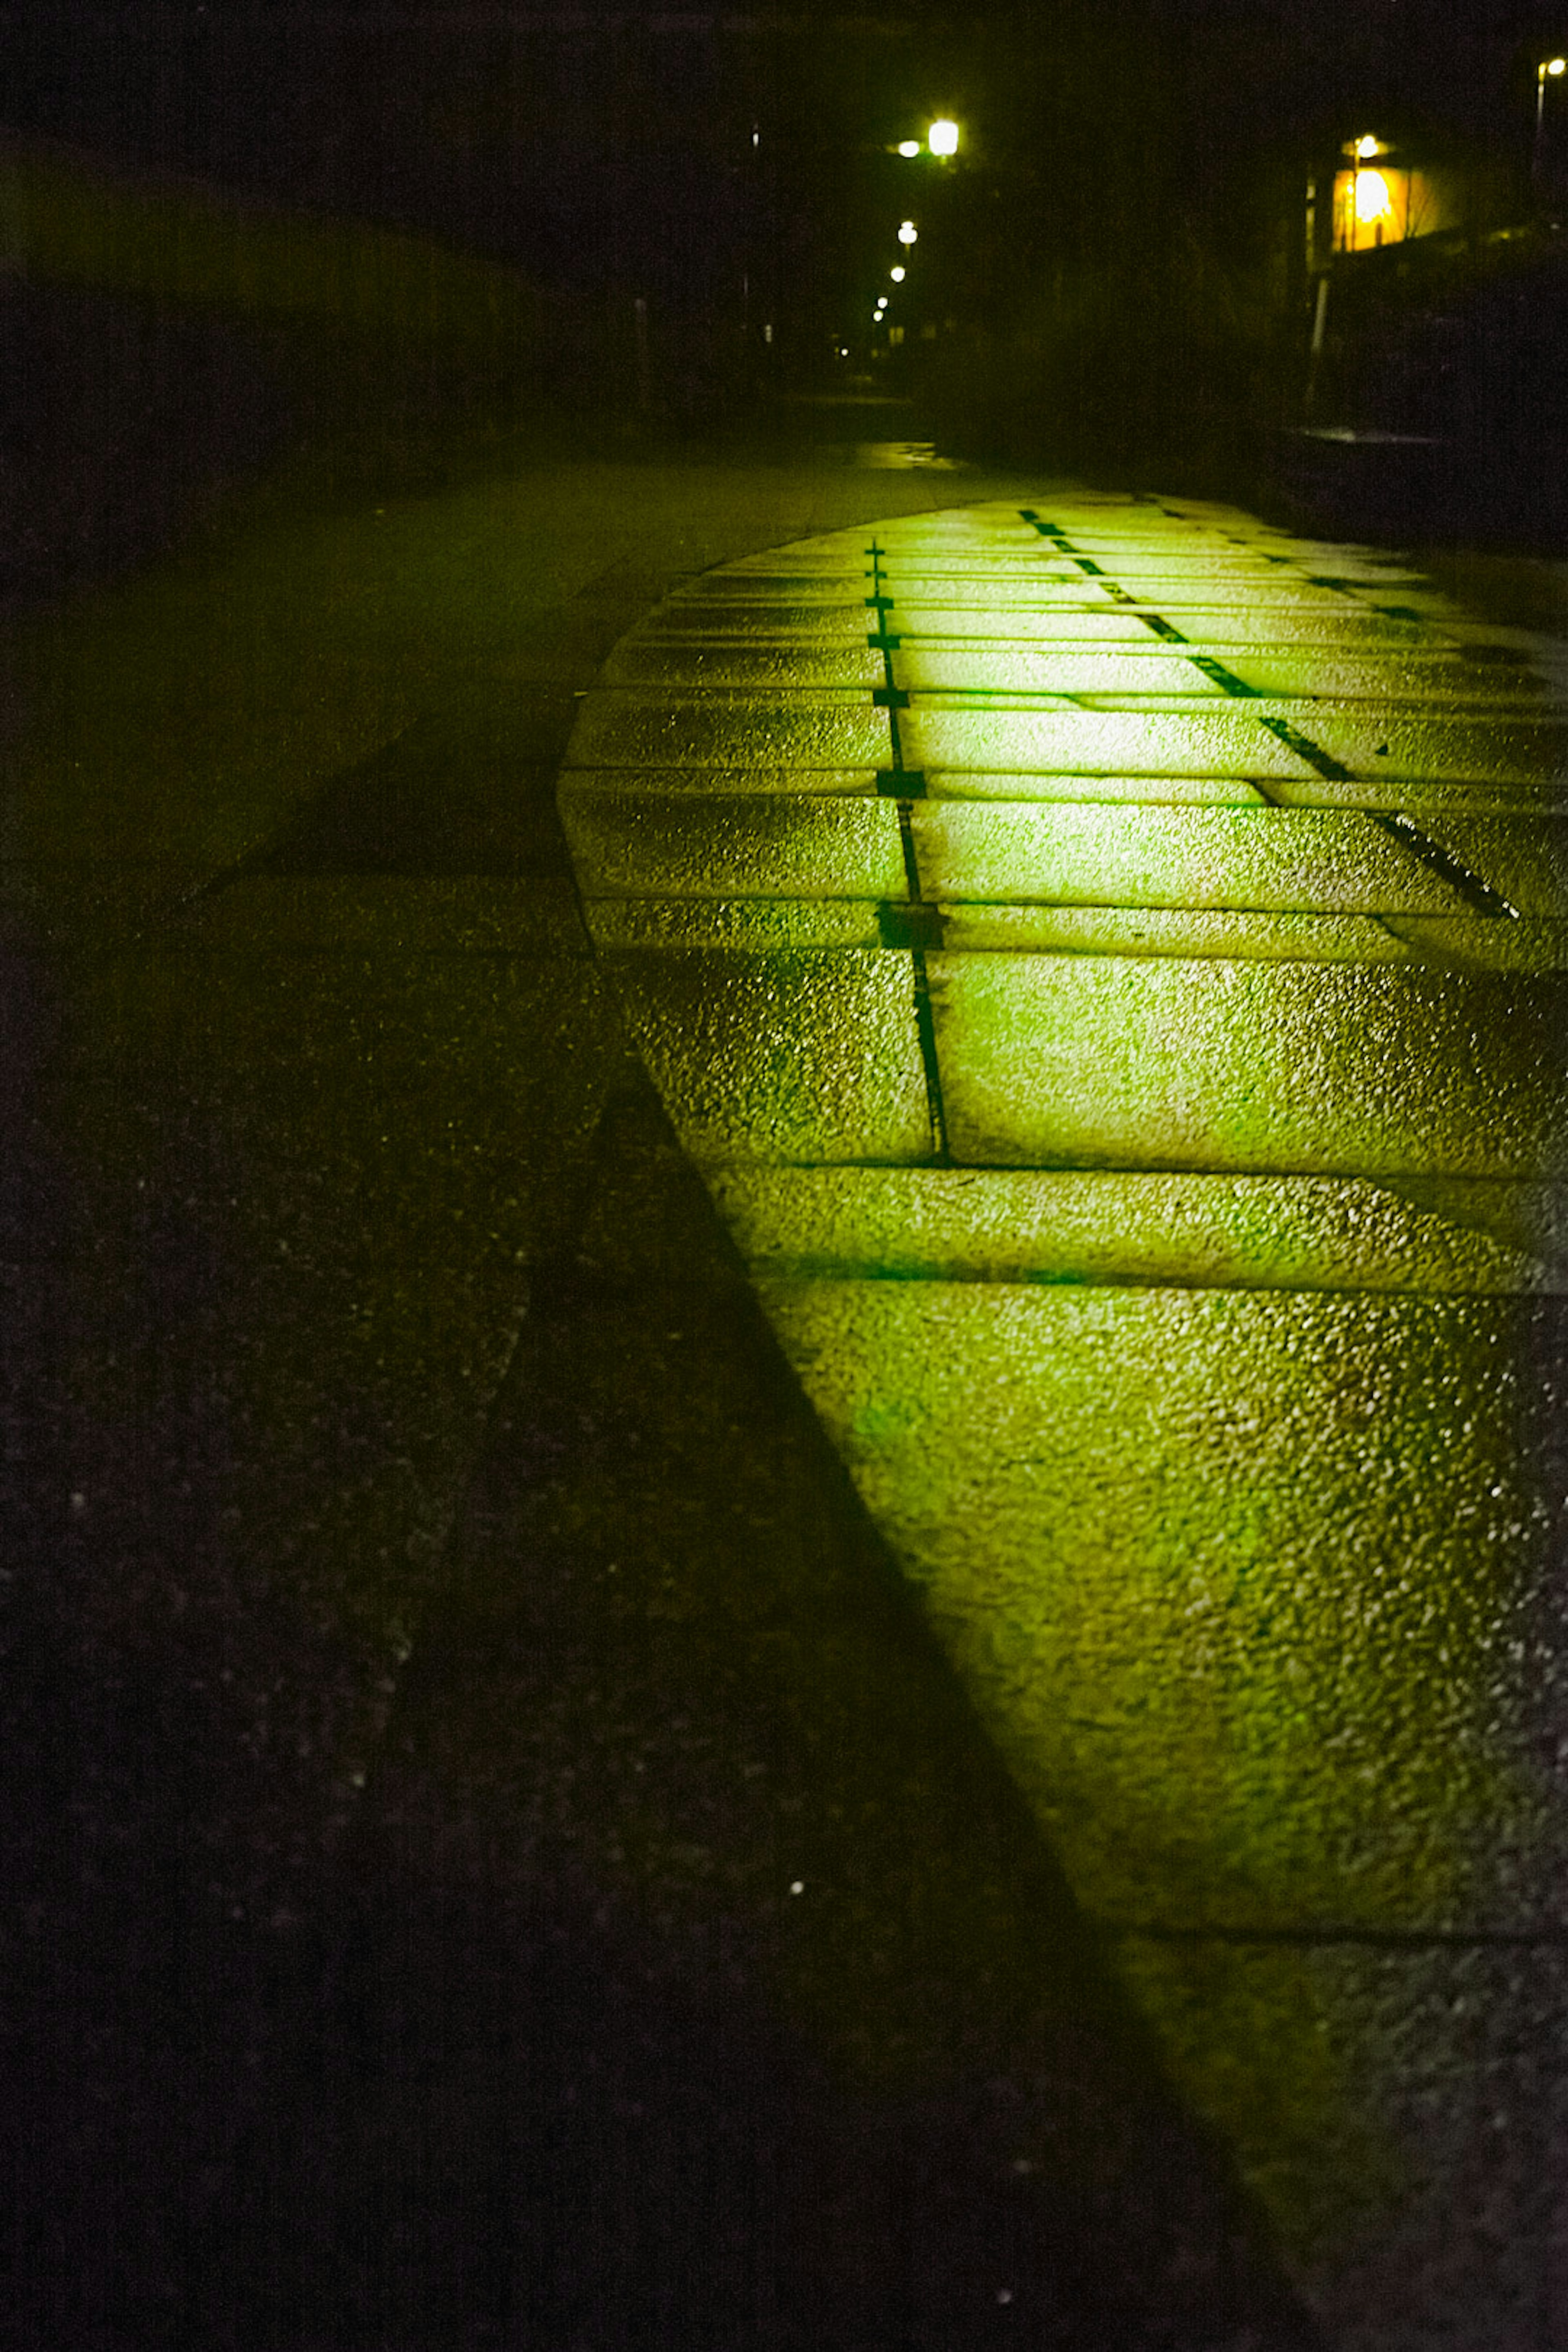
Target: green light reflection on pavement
x,y
1223,1572
1186,1540
1195,857
1163,1062
792,1056
1231,1570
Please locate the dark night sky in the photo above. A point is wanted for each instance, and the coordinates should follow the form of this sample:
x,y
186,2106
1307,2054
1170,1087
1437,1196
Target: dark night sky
x,y
610,149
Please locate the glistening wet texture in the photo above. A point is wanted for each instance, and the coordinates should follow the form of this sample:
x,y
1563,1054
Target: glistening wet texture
x,y
1135,1080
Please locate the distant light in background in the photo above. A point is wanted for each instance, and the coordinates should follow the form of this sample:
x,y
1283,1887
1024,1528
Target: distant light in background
x,y
899,275
1372,201
1556,66
908,232
942,137
908,146
1367,146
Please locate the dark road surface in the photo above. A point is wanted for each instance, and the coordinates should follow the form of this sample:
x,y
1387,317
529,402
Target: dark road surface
x,y
501,1856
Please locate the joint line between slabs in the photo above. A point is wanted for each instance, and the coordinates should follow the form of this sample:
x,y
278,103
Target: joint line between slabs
x,y
1054,535
1321,762
925,1029
924,922
1477,895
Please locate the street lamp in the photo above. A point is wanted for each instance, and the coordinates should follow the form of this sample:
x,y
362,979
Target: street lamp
x,y
942,137
909,147
1549,68
908,233
1371,199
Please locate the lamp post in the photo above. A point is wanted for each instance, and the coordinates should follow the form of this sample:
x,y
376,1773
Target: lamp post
x,y
1548,69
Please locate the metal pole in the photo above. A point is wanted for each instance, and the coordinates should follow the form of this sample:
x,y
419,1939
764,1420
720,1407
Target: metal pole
x,y
1320,323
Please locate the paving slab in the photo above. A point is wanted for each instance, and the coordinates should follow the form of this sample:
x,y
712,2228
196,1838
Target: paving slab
x,y
1195,857
1249,1065
1185,931
1073,1226
1162,789
1223,742
717,844
840,1073
832,730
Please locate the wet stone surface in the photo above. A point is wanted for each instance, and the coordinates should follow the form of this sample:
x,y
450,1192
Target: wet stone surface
x,y
1105,973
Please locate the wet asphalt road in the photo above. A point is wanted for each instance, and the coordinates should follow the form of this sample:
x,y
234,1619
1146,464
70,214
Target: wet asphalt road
x,y
500,1856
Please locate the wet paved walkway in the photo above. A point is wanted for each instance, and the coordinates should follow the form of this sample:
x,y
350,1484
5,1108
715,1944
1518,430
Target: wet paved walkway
x,y
1105,958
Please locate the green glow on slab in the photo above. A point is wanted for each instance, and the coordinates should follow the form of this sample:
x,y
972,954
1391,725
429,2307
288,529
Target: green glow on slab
x,y
1192,858
1249,1232
790,1056
1196,1400
1157,1062
1224,1573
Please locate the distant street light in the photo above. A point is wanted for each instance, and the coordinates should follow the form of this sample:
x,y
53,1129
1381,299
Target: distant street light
x,y
908,233
899,275
908,146
942,137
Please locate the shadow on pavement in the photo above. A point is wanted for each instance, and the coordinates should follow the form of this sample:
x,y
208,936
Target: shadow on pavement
x,y
701,1979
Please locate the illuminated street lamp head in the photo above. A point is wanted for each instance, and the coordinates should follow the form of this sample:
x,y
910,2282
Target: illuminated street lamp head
x,y
1367,146
1556,66
908,146
942,137
908,232
899,275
